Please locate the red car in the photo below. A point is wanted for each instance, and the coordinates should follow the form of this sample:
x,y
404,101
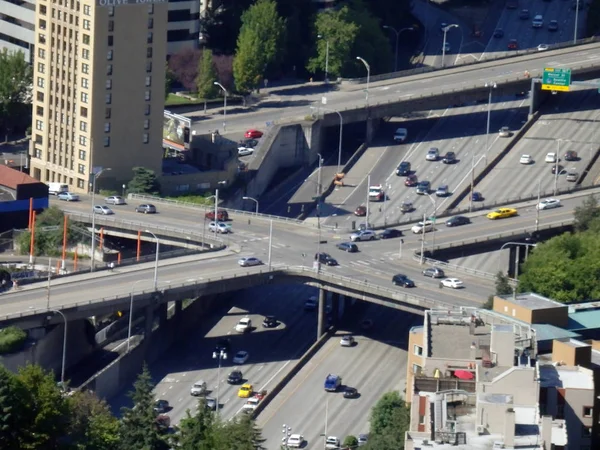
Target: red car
x,y
253,134
221,215
361,211
411,180
513,44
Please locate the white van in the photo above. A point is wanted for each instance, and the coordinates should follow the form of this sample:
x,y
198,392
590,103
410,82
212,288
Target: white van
x,y
57,188
538,21
400,135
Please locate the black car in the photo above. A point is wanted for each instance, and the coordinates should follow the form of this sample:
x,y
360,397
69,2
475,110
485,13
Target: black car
x,y
403,168
477,197
406,207
449,158
402,280
499,33
235,377
223,345
571,156
559,167
347,247
423,187
390,233
524,14
350,392
458,220
553,25
325,258
270,322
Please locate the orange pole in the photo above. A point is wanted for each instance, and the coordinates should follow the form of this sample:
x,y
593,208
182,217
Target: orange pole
x,y
119,258
101,237
57,267
75,260
30,212
32,242
139,245
64,252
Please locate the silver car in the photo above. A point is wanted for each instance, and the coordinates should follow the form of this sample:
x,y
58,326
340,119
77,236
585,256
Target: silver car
x,y
433,154
146,209
366,235
101,209
114,200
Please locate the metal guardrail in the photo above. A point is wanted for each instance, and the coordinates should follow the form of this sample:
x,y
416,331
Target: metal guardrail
x,y
394,296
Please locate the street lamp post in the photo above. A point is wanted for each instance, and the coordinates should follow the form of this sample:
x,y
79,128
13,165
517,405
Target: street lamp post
x,y
368,77
130,325
387,27
216,83
326,57
220,355
124,186
367,214
491,86
558,141
576,20
537,207
64,349
95,175
446,29
255,201
339,165
434,202
472,181
155,259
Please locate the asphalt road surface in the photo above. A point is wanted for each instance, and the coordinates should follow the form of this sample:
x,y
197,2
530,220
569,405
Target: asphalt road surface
x,y
376,365
271,351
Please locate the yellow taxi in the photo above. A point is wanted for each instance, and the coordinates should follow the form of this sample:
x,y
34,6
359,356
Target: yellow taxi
x,y
246,391
502,213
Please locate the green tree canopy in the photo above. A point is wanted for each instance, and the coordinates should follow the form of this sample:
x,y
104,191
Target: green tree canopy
x,y
92,425
207,75
350,441
390,419
197,432
169,78
258,45
586,214
15,88
10,410
144,181
503,286
49,233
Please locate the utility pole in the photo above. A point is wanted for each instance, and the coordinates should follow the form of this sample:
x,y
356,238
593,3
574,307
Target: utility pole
x,y
537,207
423,241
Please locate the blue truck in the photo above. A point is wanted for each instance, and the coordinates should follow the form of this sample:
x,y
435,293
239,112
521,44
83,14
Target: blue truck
x,y
332,383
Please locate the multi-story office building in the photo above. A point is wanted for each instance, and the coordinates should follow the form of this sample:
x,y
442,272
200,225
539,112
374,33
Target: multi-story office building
x,y
17,18
98,90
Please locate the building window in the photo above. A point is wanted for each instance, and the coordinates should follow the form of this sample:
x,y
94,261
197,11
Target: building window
x,y
86,39
83,111
109,84
41,68
39,125
150,23
37,153
43,10
109,69
85,53
108,98
111,26
418,350
82,155
107,127
85,68
81,169
40,82
146,124
150,37
146,110
149,52
39,96
82,140
107,113
109,55
82,125
110,41
86,24
416,369
41,53
111,11
146,138
86,10
149,67
42,39
150,9
148,81
80,183
588,411
107,141
84,97
39,110
42,24
147,96
84,83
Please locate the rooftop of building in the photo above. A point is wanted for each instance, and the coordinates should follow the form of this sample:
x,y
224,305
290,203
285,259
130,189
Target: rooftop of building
x,y
567,377
12,178
548,332
584,319
532,301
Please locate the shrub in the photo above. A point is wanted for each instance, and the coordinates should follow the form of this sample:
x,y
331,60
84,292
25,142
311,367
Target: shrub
x,y
11,339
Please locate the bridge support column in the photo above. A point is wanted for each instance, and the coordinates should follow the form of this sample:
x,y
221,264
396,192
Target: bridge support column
x,y
178,307
336,313
149,322
321,316
162,314
372,127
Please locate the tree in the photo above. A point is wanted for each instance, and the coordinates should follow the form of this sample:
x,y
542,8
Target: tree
x,y
10,419
207,75
300,18
48,233
144,181
503,286
224,68
92,426
240,433
350,442
15,89
44,421
390,419
337,28
258,44
196,432
184,66
587,213
138,428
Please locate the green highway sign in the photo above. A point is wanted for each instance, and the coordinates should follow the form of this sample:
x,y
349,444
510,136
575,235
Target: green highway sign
x,y
556,79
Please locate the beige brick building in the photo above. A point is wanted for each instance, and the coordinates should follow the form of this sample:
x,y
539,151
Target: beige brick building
x,y
98,90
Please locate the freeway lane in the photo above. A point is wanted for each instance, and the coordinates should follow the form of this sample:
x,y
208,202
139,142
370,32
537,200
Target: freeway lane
x,y
376,365
572,117
411,86
272,351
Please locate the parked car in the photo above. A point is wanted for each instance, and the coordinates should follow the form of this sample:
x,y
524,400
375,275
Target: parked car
x,y
244,325
403,169
249,261
347,247
222,215
434,272
101,209
146,208
442,191
390,233
360,211
245,151
457,221
114,200
433,154
253,134
270,322
449,158
68,197
411,180
402,280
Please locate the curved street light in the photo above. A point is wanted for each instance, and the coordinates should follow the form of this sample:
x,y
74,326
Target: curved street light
x,y
95,175
254,200
446,29
368,77
320,36
387,27
216,83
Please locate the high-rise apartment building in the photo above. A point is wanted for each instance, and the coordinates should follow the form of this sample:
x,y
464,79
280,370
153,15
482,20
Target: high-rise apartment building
x,y
17,19
98,90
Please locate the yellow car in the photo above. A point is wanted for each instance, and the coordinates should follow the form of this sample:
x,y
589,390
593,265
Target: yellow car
x,y
502,213
246,391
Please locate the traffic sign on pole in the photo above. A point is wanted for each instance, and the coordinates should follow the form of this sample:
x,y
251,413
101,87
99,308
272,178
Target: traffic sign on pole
x,y
555,79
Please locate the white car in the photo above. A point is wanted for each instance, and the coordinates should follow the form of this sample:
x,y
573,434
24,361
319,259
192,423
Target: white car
x,y
400,135
220,227
68,196
332,442
538,21
245,151
347,341
418,228
244,325
548,203
295,441
249,261
504,132
550,157
366,235
433,154
198,388
525,159
101,209
114,200
453,283
241,357
542,47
